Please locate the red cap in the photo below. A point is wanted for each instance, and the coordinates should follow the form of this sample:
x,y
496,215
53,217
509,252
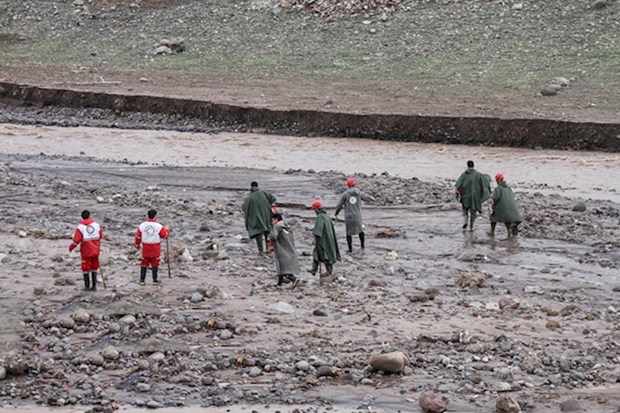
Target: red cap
x,y
499,176
317,204
350,182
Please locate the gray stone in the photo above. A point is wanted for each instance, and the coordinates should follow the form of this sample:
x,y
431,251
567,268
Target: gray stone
x,y
571,405
15,365
255,372
110,353
128,319
600,4
152,404
4,259
196,298
2,373
432,403
143,387
226,335
549,91
394,362
319,313
579,207
367,382
158,356
282,307
302,365
96,359
325,371
507,404
81,316
66,322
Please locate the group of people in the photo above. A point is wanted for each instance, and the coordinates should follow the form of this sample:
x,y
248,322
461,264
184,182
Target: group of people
x,y
88,235
474,188
266,226
259,205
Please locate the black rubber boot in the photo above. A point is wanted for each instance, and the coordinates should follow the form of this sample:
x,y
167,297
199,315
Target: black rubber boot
x,y
259,244
515,229
142,275
472,218
280,279
362,240
315,268
350,243
329,268
492,230
465,218
155,280
93,281
86,281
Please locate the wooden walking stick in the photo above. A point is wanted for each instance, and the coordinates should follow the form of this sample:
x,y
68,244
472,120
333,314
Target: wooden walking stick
x,y
168,256
102,277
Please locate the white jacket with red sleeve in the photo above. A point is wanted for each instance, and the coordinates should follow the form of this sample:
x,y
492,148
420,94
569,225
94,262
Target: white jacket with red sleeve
x,y
88,234
149,234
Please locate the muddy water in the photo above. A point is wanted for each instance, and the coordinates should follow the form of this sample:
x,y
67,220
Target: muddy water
x,y
580,174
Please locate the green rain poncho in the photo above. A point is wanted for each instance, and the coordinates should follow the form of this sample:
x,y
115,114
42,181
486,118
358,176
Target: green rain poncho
x,y
285,253
325,247
351,201
257,211
504,205
474,189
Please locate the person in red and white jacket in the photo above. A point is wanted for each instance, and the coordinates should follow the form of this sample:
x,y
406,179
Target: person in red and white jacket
x,y
88,236
149,234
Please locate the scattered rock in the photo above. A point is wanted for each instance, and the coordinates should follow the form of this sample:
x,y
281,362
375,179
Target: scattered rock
x,y
282,307
66,322
255,372
600,4
128,319
196,298
506,404
81,316
579,207
15,365
326,371
432,403
549,91
110,353
2,373
394,362
226,335
96,359
319,313
571,405
143,387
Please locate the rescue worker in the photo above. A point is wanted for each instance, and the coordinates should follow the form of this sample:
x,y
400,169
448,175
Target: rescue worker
x,y
88,235
257,212
325,245
472,189
351,201
504,208
285,253
149,234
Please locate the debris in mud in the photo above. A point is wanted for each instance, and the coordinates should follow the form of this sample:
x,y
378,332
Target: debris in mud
x,y
473,281
169,46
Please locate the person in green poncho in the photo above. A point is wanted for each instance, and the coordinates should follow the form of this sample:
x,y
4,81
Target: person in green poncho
x,y
504,208
257,211
472,189
325,245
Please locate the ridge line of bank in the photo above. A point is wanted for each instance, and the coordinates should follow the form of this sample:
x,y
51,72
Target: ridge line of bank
x,y
525,133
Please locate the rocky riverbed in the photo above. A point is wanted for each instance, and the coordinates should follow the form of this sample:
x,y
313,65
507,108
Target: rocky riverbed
x,y
467,319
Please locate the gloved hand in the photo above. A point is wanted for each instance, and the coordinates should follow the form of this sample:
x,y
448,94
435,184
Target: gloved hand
x,y
72,246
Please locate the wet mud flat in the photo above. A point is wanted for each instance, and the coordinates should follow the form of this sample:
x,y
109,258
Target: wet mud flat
x,y
535,318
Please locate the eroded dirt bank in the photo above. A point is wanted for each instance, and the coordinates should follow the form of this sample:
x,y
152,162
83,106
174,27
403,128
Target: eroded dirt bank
x,y
204,115
535,318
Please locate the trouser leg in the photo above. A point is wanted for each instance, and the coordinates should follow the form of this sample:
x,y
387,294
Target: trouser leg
x,y
259,243
350,243
142,274
155,269
472,218
315,267
465,217
93,280
362,239
86,281
515,229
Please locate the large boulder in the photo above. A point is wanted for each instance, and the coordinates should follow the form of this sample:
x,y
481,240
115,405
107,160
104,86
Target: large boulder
x,y
507,404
